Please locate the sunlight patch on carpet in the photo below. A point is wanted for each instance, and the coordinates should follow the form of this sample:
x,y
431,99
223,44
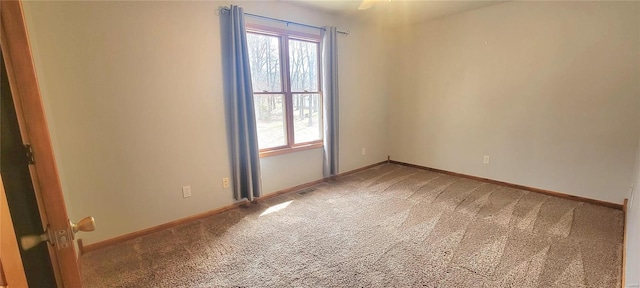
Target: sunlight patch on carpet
x,y
275,208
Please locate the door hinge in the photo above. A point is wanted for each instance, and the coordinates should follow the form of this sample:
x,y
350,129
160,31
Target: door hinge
x,y
29,151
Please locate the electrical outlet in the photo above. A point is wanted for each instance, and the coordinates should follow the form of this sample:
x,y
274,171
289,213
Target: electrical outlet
x,y
364,151
225,182
634,286
486,159
186,191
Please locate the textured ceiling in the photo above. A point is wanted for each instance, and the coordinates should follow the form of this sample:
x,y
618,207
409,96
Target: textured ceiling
x,y
395,12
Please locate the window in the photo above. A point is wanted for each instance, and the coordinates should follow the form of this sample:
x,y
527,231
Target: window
x,y
285,71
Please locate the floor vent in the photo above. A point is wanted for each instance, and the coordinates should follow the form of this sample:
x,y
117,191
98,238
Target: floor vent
x,y
306,191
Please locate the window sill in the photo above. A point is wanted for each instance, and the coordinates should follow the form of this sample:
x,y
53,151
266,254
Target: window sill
x,y
274,152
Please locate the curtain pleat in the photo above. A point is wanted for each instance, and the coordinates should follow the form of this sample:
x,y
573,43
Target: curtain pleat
x,y
238,94
330,103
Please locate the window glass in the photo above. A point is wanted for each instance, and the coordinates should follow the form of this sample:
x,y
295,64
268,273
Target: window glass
x,y
286,87
264,58
307,117
270,120
303,66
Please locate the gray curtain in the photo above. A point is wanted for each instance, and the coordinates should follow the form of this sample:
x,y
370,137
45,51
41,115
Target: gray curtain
x,y
330,90
238,94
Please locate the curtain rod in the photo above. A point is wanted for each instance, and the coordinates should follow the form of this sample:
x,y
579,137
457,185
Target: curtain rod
x,y
226,9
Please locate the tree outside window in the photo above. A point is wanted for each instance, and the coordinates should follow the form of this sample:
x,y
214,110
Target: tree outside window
x,y
285,71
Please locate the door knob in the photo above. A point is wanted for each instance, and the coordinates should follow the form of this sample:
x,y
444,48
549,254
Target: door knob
x,y
29,241
87,224
60,238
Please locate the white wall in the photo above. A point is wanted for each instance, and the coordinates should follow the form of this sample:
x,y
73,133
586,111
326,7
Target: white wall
x,y
133,95
364,72
633,212
549,90
633,229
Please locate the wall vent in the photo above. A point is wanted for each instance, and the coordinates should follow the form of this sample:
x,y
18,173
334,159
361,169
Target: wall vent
x,y
306,191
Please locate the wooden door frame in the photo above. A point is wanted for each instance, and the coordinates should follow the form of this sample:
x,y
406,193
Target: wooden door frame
x,y
10,260
33,126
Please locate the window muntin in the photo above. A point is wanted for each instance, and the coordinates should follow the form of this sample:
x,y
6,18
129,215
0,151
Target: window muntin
x,y
287,98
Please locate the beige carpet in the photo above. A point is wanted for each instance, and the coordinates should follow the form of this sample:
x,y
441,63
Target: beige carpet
x,y
388,226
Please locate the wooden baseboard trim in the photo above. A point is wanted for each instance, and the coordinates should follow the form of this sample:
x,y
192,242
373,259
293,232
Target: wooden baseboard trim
x,y
289,190
313,183
119,239
624,244
132,235
357,170
516,186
